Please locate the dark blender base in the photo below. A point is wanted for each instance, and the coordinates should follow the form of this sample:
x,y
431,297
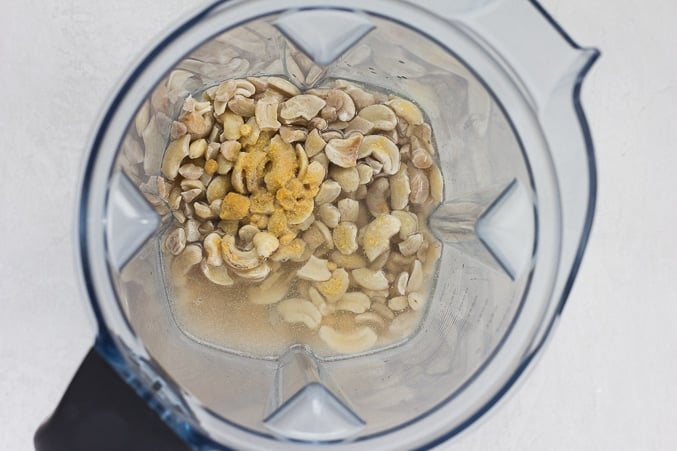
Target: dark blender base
x,y
101,412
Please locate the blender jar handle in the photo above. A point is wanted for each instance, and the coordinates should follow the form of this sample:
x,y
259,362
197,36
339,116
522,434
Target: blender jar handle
x,y
101,412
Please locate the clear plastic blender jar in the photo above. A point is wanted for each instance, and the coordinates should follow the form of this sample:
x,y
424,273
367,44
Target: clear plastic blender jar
x,y
498,82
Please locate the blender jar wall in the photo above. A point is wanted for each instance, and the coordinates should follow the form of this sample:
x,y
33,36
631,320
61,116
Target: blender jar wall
x,y
459,332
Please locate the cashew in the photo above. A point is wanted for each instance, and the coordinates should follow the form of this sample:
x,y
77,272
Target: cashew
x,y
342,103
304,106
382,310
332,134
272,290
260,84
416,300
184,262
218,188
293,251
314,143
348,210
265,243
420,158
205,228
356,302
377,194
358,125
383,150
298,310
174,155
175,242
325,233
403,324
398,303
192,229
203,211
256,274
242,106
212,245
358,340
375,165
177,130
372,280
197,125
365,173
409,223
382,117
329,114
337,285
436,184
232,124
348,178
216,274
329,215
406,110
415,277
361,97
377,234
370,318
352,261
399,189
254,133
401,283
314,270
411,245
266,115
283,86
224,92
420,187
379,262
230,150
345,238
313,237
361,192
329,191
191,194
246,236
292,135
190,171
237,258
318,123
215,206
343,152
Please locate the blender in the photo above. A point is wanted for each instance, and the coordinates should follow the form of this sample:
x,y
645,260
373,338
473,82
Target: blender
x,y
499,83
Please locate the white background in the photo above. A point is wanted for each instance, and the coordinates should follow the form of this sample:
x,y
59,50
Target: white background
x,y
608,380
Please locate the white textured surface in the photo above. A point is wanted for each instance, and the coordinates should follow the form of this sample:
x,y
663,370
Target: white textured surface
x,y
607,380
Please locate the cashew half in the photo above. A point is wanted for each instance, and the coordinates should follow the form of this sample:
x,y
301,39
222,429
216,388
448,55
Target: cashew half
x,y
315,270
358,340
377,234
343,152
372,280
298,310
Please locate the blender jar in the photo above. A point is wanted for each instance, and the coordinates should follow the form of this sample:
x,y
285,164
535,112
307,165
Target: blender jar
x,y
498,81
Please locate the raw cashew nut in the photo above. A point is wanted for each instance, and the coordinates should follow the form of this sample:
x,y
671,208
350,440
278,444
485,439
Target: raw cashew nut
x,y
343,152
334,288
297,310
377,235
359,340
304,106
371,280
216,274
270,291
174,155
212,244
356,302
406,110
382,117
175,242
315,270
